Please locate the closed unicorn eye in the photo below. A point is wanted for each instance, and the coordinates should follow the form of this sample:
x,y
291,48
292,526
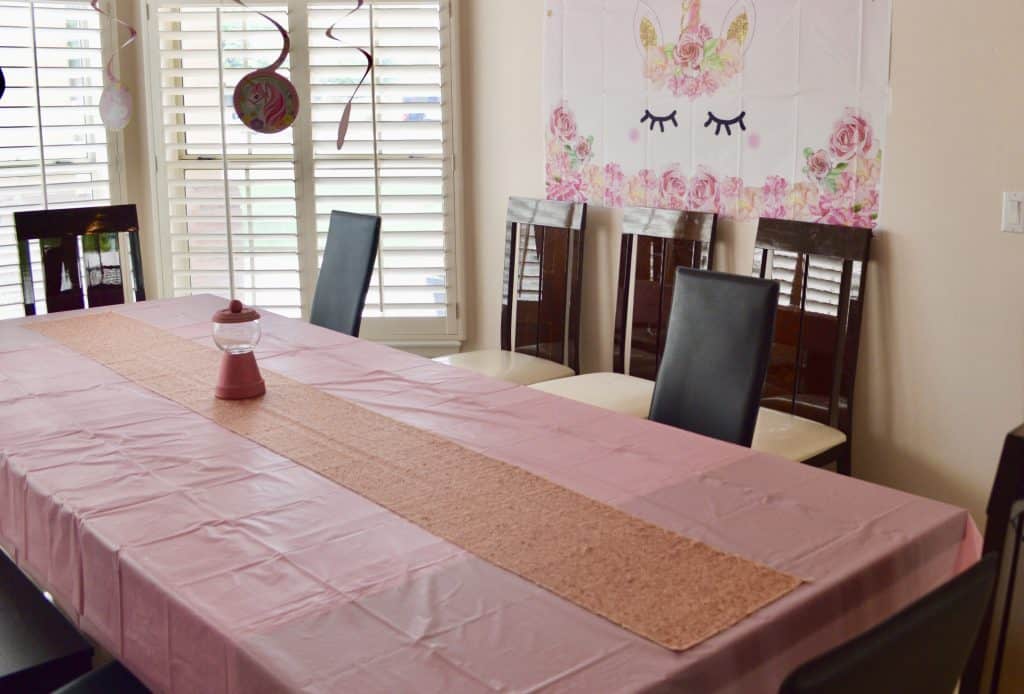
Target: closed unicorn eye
x,y
659,120
726,123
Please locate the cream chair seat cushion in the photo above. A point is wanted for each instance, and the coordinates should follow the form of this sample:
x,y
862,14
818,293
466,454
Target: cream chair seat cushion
x,y
611,391
778,433
508,366
792,437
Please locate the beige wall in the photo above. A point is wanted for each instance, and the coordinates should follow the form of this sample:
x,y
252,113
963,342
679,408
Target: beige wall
x,y
941,374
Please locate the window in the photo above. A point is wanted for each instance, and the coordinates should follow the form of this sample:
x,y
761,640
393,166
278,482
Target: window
x,y
246,214
53,150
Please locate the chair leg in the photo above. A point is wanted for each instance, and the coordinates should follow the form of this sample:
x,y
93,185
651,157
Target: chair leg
x,y
844,461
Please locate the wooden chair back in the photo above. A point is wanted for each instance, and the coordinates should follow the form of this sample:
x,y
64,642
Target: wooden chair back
x,y
1004,530
821,270
654,243
543,279
78,245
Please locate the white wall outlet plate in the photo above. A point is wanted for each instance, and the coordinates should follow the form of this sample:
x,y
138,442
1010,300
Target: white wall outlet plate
x,y
1013,212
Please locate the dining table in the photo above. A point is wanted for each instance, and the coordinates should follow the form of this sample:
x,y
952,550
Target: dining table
x,y
205,561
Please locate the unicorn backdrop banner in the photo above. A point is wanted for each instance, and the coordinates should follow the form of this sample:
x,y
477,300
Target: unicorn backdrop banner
x,y
749,108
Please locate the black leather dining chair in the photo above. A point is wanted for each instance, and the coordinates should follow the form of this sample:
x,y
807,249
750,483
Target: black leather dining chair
x,y
345,273
112,678
40,649
920,650
716,354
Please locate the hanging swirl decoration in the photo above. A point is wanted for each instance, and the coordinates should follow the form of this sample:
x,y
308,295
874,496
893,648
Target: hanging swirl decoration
x,y
116,100
347,113
265,100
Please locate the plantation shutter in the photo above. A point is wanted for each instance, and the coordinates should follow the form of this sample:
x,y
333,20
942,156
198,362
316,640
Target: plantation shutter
x,y
247,214
53,147
230,219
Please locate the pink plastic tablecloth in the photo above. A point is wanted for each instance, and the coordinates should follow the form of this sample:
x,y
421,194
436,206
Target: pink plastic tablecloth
x,y
207,563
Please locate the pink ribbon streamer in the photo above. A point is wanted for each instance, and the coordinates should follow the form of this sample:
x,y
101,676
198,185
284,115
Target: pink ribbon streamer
x,y
95,4
284,35
347,114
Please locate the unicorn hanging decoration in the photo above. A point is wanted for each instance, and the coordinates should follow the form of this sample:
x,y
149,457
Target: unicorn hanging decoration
x,y
265,100
698,63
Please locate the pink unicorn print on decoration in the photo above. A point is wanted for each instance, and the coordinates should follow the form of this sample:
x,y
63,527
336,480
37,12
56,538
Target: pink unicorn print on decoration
x,y
752,108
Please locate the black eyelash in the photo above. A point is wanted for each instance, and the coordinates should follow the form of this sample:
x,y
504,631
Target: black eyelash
x,y
722,123
659,120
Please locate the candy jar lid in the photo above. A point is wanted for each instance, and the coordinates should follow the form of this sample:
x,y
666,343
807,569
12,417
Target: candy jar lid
x,y
236,312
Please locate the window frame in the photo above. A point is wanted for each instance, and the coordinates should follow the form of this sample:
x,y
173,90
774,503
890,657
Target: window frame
x,y
429,335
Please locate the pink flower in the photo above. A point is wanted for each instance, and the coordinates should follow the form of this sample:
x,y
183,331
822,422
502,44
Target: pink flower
x,y
703,191
558,164
868,202
775,188
689,52
818,165
704,33
612,198
569,188
563,124
731,187
613,176
851,136
845,187
583,148
684,85
673,188
707,83
775,210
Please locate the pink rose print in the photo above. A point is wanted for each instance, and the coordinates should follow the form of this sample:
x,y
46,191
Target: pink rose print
x,y
558,164
673,188
835,191
563,124
568,189
818,165
689,52
704,191
583,148
613,176
851,136
775,188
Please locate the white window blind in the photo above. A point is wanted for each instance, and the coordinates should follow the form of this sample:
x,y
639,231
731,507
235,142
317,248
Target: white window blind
x,y
247,214
53,147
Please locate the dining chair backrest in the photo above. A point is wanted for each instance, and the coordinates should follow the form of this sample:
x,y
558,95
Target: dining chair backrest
x,y
543,279
77,245
345,273
821,270
1005,525
654,243
716,353
920,650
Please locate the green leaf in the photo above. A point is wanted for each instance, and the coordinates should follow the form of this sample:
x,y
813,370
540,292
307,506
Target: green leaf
x,y
711,46
830,183
808,152
840,166
857,208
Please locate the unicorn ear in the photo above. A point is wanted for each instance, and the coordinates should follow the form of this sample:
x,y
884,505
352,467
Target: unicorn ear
x,y
646,27
740,23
